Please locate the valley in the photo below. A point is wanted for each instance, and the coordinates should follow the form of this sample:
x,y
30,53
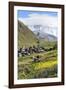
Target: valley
x,y
37,56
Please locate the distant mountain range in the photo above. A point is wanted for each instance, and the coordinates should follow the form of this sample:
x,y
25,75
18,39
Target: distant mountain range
x,y
27,37
46,36
44,29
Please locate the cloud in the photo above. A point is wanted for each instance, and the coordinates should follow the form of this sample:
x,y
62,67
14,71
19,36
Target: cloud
x,y
41,19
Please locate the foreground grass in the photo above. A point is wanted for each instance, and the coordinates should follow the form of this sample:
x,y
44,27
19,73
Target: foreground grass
x,y
47,67
47,64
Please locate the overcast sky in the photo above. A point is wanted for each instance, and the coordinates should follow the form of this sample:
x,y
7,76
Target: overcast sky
x,y
44,18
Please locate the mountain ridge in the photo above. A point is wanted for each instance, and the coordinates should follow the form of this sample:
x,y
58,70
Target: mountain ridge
x,y
25,36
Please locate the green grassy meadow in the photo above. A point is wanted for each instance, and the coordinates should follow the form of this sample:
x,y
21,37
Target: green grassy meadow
x,y
46,68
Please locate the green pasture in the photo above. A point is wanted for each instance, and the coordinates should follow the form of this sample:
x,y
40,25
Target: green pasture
x,y
47,67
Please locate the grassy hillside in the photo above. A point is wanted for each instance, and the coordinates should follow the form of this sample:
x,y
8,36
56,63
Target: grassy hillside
x,y
47,44
25,36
